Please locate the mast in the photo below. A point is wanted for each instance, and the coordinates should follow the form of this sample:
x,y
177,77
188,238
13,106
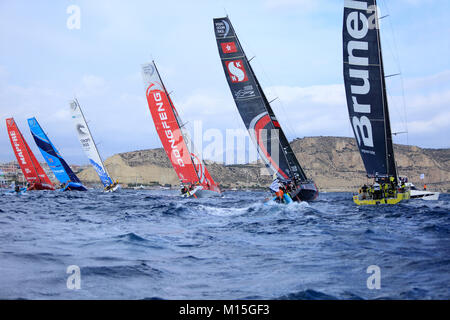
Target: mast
x,y
390,159
280,130
253,106
177,120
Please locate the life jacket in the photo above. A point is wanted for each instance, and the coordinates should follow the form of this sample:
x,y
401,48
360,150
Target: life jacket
x,y
279,193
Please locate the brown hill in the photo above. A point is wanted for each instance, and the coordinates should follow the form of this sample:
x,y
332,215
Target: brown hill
x,y
333,162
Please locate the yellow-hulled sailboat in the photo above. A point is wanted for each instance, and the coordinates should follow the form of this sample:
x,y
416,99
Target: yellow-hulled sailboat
x,y
367,102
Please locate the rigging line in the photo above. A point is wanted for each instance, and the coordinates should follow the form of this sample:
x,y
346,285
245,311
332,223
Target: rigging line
x,y
402,84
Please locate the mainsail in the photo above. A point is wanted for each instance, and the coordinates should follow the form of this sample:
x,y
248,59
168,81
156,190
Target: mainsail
x,y
255,109
365,88
57,164
175,140
32,170
88,144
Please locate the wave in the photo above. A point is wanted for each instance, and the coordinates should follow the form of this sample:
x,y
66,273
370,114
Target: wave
x,y
123,271
308,294
131,237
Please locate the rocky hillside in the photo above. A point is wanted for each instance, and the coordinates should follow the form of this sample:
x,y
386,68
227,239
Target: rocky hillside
x,y
333,162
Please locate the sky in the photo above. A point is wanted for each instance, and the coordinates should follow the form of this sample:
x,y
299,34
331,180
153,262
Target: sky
x,y
297,45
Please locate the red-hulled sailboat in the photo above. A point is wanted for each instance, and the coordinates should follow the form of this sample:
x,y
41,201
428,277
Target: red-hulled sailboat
x,y
34,174
195,179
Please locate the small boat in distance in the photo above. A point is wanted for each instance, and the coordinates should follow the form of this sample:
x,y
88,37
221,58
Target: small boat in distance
x,y
422,194
32,171
69,181
258,116
90,148
365,87
195,178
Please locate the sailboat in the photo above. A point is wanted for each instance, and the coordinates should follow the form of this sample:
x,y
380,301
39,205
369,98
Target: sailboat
x,y
367,102
90,148
194,176
258,116
57,164
32,171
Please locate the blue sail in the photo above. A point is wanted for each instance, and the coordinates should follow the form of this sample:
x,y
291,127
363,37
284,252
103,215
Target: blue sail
x,y
106,180
60,168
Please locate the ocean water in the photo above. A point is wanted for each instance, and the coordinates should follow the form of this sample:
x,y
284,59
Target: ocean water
x,y
154,245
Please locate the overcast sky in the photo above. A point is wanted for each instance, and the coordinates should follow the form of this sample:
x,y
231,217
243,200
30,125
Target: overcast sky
x,y
298,49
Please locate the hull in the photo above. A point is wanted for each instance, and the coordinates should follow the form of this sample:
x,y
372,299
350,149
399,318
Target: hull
x,y
424,195
199,192
114,189
373,202
306,192
73,186
40,186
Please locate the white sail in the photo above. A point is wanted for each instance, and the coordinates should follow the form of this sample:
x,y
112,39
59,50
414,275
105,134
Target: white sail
x,y
88,144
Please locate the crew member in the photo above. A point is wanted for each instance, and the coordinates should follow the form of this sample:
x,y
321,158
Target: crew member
x,y
376,190
280,196
364,191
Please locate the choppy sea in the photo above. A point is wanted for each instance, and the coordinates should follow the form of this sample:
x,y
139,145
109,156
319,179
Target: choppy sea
x,y
151,244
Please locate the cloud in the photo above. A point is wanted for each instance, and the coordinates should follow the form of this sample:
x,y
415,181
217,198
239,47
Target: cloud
x,y
92,85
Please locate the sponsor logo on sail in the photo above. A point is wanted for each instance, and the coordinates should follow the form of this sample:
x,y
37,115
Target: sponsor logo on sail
x,y
236,71
16,144
169,134
154,86
357,27
245,92
80,129
222,28
147,72
228,47
32,122
73,105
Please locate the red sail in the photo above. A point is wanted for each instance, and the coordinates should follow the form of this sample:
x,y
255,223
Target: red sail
x,y
170,133
205,178
32,170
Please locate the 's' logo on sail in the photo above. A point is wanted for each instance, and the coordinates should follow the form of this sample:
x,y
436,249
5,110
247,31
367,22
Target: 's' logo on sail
x,y
236,71
228,47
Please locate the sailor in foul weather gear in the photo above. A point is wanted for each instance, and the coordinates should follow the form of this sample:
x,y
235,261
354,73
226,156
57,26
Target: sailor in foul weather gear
x,y
376,190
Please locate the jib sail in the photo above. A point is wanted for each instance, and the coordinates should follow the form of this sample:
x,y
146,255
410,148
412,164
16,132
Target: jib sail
x,y
57,164
189,168
88,144
253,106
365,88
32,170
